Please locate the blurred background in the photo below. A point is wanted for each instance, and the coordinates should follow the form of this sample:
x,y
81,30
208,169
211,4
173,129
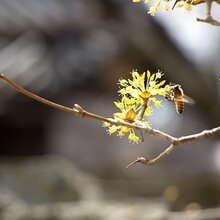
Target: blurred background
x,y
56,166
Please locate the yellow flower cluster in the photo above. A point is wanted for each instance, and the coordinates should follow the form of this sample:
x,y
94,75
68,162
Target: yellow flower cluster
x,y
154,8
137,96
187,4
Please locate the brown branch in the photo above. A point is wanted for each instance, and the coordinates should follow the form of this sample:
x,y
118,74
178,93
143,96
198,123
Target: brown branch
x,y
146,161
209,19
78,111
177,141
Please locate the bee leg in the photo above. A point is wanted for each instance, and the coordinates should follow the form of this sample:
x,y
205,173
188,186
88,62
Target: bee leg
x,y
142,137
169,97
174,4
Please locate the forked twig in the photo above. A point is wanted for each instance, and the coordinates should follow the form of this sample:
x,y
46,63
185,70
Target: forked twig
x,y
78,111
177,141
209,19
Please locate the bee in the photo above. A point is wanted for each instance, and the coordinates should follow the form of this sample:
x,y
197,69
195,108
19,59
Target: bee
x,y
177,96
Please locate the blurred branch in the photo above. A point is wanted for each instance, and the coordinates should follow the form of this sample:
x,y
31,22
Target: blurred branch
x,y
78,111
209,18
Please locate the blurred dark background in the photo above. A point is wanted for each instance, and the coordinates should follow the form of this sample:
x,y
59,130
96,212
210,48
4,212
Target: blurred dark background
x,y
75,52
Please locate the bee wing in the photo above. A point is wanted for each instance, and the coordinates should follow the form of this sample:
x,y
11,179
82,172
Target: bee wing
x,y
186,99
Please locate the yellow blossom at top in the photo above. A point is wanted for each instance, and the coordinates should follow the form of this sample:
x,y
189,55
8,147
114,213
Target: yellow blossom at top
x,y
141,87
166,7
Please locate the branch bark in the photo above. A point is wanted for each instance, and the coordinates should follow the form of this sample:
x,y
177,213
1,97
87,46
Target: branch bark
x,y
209,18
78,111
174,143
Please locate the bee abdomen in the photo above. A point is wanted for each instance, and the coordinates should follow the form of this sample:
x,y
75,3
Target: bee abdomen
x,y
179,107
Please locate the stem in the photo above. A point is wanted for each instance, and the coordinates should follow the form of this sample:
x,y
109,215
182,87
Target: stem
x,y
174,144
36,97
76,110
80,112
141,114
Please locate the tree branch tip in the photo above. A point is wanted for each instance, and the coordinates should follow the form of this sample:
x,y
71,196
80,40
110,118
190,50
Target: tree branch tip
x,y
2,75
138,160
209,20
132,163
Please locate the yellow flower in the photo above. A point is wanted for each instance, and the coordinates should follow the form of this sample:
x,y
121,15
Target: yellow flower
x,y
123,82
166,8
132,137
154,8
112,129
138,81
140,89
106,124
157,104
123,131
188,7
180,5
148,111
152,11
159,74
119,105
128,115
138,93
123,91
157,4
145,123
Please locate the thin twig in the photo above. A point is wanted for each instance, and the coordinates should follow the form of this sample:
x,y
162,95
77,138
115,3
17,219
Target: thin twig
x,y
146,161
209,21
36,97
78,111
177,141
